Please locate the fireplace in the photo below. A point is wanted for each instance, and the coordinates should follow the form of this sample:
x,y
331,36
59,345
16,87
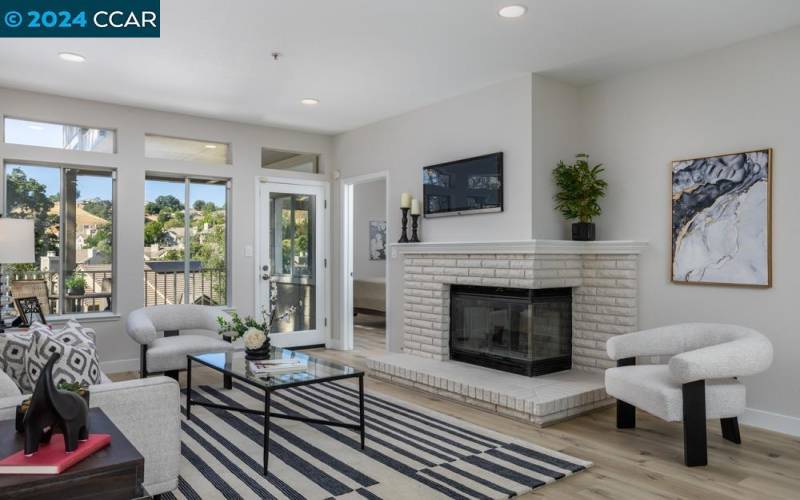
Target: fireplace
x,y
522,331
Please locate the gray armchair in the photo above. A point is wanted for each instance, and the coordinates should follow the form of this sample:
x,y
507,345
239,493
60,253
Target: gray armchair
x,y
167,353
699,383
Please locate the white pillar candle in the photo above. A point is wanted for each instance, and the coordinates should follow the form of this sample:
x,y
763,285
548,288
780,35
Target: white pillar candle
x,y
405,200
415,207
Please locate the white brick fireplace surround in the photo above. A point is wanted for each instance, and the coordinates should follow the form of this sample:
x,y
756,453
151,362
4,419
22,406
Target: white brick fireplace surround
x,y
604,279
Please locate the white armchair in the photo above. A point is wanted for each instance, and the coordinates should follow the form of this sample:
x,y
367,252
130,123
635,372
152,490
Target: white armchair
x,y
167,353
699,383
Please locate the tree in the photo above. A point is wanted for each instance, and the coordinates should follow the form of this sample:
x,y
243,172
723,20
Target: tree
x,y
27,198
101,240
153,233
165,215
98,207
163,201
172,254
199,205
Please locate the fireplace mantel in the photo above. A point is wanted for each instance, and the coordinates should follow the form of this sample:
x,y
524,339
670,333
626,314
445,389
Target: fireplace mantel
x,y
544,247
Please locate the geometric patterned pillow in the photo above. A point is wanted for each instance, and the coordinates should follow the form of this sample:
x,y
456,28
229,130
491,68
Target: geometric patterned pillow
x,y
13,346
78,361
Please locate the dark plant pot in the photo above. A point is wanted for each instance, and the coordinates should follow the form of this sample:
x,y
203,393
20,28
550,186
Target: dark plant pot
x,y
260,353
583,231
77,291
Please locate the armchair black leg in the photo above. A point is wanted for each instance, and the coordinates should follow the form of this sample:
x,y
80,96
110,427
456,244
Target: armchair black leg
x,y
143,361
695,446
730,429
626,415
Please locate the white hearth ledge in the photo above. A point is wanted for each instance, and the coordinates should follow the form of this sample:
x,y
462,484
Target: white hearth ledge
x,y
563,247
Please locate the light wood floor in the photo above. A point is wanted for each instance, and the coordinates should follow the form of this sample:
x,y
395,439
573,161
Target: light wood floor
x,y
643,463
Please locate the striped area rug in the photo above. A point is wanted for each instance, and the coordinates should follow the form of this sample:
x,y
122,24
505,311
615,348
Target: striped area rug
x,y
411,453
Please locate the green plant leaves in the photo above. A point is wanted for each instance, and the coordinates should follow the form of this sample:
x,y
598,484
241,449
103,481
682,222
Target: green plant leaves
x,y
580,189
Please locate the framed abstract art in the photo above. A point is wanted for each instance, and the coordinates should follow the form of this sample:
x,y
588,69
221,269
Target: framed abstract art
x,y
721,220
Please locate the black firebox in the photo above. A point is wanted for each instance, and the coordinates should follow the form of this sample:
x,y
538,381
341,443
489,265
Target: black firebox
x,y
528,332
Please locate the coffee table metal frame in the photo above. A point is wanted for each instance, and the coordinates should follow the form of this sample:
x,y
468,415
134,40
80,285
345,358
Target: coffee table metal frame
x,y
268,415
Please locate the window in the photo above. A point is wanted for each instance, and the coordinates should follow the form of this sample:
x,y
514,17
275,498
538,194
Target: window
x,y
173,148
287,160
73,212
185,241
59,136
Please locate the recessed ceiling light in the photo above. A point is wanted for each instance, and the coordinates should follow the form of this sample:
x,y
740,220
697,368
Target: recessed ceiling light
x,y
211,146
71,57
512,11
310,101
35,127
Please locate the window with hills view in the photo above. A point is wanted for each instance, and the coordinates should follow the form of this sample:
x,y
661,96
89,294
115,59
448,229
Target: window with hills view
x,y
73,209
185,241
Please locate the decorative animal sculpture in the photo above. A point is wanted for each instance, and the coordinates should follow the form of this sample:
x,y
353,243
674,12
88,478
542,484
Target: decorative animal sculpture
x,y
53,408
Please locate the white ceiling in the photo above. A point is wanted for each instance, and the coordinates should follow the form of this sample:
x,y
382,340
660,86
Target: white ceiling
x,y
370,59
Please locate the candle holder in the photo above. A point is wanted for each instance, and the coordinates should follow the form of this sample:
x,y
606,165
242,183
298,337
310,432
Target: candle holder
x,y
414,226
404,236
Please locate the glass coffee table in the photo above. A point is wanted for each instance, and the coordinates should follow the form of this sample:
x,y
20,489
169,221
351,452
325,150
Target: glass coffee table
x,y
236,366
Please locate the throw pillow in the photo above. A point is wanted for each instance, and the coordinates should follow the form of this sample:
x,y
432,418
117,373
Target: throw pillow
x,y
13,346
78,362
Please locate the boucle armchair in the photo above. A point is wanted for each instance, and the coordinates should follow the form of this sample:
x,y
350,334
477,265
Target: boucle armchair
x,y
699,383
167,353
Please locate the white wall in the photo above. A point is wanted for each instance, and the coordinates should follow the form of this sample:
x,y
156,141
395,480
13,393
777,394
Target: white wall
x,y
117,351
556,136
739,98
369,205
496,118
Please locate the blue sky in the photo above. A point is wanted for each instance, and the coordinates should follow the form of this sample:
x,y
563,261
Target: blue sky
x,y
50,135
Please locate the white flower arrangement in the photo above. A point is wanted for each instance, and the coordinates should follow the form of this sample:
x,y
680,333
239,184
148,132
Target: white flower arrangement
x,y
254,338
253,332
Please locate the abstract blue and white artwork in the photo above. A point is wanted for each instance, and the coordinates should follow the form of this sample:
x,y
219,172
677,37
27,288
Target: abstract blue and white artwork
x,y
721,219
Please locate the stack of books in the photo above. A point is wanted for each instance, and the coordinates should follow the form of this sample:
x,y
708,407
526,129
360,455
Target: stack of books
x,y
273,366
52,457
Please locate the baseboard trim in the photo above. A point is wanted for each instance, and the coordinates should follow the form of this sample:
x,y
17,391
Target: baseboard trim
x,y
120,365
777,422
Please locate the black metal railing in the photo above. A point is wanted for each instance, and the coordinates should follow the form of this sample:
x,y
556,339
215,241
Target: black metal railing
x,y
96,295
206,287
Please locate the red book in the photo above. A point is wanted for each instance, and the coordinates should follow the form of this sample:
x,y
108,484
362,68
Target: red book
x,y
51,458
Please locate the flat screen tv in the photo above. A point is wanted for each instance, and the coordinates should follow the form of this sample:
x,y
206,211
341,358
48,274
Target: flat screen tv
x,y
461,187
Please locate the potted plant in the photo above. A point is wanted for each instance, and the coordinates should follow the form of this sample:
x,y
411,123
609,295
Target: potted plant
x,y
254,332
76,284
580,189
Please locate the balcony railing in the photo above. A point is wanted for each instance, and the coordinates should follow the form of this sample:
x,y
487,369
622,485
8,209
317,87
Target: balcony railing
x,y
207,286
96,296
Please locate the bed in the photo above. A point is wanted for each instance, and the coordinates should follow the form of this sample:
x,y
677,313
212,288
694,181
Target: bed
x,y
369,296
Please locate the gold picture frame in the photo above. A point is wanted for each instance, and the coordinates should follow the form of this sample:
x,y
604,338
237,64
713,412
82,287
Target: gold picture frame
x,y
768,178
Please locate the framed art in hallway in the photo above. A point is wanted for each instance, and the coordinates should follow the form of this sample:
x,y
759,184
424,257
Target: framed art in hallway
x,y
377,240
721,220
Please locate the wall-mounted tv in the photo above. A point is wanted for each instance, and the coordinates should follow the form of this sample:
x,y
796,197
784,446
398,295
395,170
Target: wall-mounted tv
x,y
461,187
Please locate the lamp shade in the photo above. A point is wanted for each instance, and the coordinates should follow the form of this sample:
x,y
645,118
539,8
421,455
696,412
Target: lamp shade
x,y
16,241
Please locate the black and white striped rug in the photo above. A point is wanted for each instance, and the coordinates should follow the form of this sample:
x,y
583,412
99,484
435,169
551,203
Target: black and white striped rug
x,y
411,453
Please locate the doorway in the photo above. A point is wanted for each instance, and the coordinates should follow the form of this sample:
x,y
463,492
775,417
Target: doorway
x,y
365,287
292,260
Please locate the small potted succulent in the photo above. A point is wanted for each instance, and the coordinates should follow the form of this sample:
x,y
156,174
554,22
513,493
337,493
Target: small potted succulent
x,y
255,333
76,284
580,189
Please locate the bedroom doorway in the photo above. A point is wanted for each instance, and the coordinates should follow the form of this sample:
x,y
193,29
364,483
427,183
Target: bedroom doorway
x,y
365,250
